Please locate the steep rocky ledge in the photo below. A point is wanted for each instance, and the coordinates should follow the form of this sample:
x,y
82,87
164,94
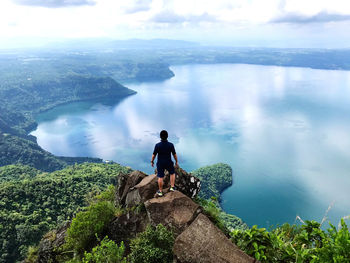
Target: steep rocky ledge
x,y
197,238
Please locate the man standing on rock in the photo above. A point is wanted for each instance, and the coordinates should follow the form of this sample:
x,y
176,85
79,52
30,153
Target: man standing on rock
x,y
164,149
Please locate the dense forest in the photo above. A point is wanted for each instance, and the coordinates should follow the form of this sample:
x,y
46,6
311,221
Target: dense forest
x,y
25,92
33,202
214,179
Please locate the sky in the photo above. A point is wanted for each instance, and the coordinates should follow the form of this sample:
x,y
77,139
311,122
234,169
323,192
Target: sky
x,y
253,23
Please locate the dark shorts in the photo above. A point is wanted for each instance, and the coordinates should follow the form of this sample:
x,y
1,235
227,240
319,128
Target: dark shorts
x,y
161,167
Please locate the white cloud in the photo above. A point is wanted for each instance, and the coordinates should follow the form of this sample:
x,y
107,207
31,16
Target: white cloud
x,y
171,17
138,6
242,20
54,3
322,17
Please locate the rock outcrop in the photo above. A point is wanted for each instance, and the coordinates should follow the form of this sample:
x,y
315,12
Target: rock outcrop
x,y
142,191
197,238
203,242
126,182
49,243
175,210
127,226
136,188
186,183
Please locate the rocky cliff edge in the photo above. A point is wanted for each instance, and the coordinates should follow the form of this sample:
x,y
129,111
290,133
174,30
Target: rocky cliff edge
x,y
197,238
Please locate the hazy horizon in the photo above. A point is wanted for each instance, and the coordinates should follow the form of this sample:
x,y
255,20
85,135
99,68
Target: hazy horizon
x,y
240,23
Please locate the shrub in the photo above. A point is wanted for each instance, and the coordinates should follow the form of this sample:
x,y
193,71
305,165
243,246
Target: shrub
x,y
212,210
107,195
306,243
87,224
154,245
108,252
336,248
253,241
32,255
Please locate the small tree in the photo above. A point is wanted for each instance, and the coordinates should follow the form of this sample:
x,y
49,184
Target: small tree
x,y
154,245
87,224
108,252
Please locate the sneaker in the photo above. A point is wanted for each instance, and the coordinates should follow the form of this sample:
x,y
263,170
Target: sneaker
x,y
159,193
172,189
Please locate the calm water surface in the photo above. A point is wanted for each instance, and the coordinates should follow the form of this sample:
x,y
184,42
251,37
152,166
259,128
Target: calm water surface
x,y
284,131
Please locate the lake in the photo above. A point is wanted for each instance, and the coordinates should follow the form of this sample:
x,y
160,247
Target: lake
x,y
285,131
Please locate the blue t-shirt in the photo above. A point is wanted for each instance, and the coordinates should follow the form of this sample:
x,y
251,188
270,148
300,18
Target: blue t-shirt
x,y
164,149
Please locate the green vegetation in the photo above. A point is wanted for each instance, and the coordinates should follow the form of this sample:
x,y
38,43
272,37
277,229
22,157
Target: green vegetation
x,y
89,224
32,254
29,86
18,150
152,246
222,220
108,251
232,222
41,201
212,210
214,179
20,99
291,243
287,243
83,245
17,172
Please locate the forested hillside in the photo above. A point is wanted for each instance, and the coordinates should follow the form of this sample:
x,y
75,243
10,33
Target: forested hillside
x,y
25,92
214,179
33,202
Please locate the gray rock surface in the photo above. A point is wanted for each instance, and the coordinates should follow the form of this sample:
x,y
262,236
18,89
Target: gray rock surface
x,y
126,182
127,226
49,244
203,242
142,191
175,210
185,182
136,187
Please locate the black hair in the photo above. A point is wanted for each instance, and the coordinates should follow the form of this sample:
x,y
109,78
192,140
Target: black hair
x,y
164,135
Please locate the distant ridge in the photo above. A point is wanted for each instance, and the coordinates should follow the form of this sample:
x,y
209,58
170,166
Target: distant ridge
x,y
98,43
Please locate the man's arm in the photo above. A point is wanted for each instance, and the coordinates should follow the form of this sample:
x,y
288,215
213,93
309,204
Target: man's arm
x,y
152,160
155,151
175,157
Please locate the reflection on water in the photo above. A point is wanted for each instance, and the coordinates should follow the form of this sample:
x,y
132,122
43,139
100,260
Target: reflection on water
x,y
285,132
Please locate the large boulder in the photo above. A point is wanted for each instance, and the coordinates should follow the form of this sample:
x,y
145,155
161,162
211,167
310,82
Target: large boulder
x,y
174,210
142,191
125,183
203,242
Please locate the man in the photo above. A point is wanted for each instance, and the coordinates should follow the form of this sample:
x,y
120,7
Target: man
x,y
164,149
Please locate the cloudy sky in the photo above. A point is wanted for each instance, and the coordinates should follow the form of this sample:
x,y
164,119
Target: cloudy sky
x,y
271,23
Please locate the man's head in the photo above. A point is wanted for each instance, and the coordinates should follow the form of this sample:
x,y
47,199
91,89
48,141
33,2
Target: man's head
x,y
164,135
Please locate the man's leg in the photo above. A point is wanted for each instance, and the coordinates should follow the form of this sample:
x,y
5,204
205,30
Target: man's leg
x,y
160,184
172,180
160,175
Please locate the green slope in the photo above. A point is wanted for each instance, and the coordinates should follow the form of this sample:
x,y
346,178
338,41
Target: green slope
x,y
32,206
